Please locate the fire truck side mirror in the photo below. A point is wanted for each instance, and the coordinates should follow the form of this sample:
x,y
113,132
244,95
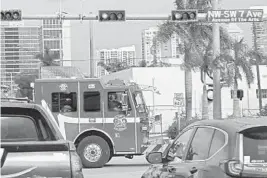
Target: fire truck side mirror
x,y
124,102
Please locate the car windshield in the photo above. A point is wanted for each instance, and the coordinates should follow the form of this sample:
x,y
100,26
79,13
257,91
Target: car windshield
x,y
139,102
255,146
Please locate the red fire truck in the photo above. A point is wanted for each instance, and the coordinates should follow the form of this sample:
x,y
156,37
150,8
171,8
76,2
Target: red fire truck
x,y
104,120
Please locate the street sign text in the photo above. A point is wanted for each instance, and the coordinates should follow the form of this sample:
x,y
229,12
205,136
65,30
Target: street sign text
x,y
240,15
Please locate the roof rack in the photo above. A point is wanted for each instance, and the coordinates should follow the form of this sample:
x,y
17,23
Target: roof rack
x,y
22,100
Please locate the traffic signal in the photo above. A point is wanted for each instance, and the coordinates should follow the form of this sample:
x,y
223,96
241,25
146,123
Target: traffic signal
x,y
210,94
111,15
158,118
240,94
11,15
184,15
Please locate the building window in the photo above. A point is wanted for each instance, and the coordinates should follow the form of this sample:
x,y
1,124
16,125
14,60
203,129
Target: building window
x,y
64,102
263,93
91,101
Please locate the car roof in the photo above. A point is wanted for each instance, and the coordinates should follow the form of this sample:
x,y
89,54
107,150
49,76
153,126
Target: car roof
x,y
18,104
233,125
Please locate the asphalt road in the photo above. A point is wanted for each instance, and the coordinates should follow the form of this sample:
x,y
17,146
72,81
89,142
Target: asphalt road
x,y
119,167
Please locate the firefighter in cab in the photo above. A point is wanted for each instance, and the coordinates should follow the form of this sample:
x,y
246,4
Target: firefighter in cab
x,y
113,102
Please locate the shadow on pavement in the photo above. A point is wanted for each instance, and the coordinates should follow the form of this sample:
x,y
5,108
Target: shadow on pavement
x,y
126,165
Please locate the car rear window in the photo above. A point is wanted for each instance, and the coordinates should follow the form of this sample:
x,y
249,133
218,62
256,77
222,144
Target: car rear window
x,y
18,128
255,145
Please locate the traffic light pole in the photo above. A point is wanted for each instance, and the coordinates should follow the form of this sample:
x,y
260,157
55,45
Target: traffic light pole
x,y
217,113
91,63
257,69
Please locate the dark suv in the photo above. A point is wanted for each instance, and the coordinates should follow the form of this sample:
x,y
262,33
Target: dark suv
x,y
215,149
32,145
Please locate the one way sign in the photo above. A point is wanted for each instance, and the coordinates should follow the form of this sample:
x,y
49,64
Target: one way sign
x,y
240,15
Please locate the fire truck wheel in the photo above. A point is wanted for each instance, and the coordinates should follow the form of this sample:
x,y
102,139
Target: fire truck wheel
x,y
94,152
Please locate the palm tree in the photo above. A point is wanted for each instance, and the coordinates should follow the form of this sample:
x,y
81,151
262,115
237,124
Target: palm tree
x,y
113,67
238,61
24,79
196,37
48,58
258,58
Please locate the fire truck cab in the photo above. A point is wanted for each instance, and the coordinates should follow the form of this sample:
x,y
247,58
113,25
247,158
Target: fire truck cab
x,y
102,119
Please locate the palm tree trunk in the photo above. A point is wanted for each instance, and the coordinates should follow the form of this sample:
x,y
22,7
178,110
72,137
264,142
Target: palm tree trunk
x,y
205,106
236,103
188,87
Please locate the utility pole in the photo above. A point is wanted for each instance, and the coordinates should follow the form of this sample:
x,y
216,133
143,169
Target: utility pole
x,y
60,45
91,63
60,33
217,109
257,68
153,100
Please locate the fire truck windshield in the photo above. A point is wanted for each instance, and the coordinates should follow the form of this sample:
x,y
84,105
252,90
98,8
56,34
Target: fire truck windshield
x,y
139,102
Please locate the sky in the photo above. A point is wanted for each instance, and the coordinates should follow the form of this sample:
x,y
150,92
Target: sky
x,y
112,35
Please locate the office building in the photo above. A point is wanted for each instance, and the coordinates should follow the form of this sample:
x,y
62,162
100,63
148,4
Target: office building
x,y
260,31
19,46
164,52
127,55
57,38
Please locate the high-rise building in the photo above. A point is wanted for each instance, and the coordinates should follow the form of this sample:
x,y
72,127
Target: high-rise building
x,y
163,51
261,31
19,47
108,56
57,38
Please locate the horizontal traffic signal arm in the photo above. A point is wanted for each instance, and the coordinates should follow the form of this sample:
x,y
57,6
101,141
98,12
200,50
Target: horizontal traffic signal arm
x,y
128,17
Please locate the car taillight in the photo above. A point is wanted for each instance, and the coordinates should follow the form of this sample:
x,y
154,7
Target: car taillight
x,y
76,164
232,167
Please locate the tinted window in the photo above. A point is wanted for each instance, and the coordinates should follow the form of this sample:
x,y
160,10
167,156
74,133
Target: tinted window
x,y
91,101
18,129
179,146
200,144
64,102
255,145
217,142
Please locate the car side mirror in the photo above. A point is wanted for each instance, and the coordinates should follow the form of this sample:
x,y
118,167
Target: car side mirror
x,y
154,158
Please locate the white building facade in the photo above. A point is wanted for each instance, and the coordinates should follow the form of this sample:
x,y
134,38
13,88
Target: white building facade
x,y
164,52
57,38
170,80
107,56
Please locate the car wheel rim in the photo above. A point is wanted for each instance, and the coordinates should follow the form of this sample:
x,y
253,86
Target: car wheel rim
x,y
92,152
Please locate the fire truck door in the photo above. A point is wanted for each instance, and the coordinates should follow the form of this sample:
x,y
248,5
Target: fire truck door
x,y
62,97
92,112
120,126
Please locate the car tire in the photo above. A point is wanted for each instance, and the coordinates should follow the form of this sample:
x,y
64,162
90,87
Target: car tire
x,y
89,149
110,157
